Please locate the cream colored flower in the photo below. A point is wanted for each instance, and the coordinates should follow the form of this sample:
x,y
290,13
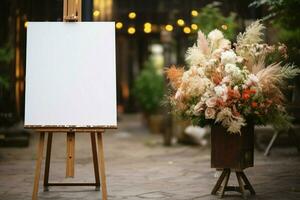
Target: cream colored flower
x,y
221,91
228,57
211,102
195,56
215,35
210,113
234,71
198,108
224,116
236,125
252,80
224,44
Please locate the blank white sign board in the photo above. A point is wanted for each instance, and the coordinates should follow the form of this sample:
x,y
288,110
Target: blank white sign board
x,y
70,74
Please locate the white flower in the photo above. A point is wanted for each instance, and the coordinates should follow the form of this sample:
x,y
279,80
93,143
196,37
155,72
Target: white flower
x,y
201,71
195,56
215,35
226,79
210,113
234,71
231,68
221,91
228,57
211,102
217,53
224,44
252,80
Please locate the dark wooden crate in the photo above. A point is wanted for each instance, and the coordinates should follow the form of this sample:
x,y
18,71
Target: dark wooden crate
x,y
232,151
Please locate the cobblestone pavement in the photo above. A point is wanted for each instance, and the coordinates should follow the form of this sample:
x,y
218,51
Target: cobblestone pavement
x,y
139,168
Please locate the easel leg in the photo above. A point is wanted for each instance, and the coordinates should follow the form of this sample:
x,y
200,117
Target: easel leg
x,y
70,154
95,160
102,165
219,182
47,163
38,166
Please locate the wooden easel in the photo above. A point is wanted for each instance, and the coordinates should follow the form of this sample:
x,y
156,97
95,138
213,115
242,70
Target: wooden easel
x,y
244,184
72,13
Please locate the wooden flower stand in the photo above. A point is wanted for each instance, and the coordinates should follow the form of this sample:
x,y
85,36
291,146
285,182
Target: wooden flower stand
x,y
232,153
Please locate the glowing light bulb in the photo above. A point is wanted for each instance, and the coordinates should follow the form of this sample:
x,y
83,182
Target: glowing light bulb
x,y
132,15
96,13
169,27
194,13
194,26
147,25
131,30
187,30
147,29
180,22
119,25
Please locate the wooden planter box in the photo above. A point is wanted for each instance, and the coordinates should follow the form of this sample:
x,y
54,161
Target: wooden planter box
x,y
232,151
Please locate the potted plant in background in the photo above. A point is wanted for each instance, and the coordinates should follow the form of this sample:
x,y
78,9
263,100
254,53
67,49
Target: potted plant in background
x,y
232,87
149,91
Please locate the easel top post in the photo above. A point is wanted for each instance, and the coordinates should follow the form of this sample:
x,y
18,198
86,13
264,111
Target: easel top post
x,y
72,11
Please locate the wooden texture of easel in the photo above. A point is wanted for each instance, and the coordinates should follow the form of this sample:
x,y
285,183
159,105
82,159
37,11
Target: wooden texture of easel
x,y
72,13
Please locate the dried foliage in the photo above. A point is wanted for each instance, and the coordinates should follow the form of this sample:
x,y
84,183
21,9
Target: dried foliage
x,y
252,35
174,75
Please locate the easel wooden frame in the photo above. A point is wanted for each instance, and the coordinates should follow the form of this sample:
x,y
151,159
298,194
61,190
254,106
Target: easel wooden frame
x,y
72,13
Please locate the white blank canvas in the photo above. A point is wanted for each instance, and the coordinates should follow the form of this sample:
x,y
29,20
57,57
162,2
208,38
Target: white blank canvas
x,y
70,74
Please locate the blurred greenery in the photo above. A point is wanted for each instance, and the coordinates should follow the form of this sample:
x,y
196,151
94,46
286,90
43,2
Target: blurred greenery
x,y
210,17
149,88
284,15
6,55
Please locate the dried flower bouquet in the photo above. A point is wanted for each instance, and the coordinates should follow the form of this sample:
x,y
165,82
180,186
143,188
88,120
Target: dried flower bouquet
x,y
232,84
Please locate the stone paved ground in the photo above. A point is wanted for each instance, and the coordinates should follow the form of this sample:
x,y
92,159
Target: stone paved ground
x,y
140,168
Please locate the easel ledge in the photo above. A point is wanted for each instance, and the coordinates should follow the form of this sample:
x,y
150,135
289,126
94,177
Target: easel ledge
x,y
87,129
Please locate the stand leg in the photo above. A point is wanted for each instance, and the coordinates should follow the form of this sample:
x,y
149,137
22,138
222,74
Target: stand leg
x,y
47,163
219,182
102,165
38,166
267,152
95,160
70,154
225,182
247,182
241,184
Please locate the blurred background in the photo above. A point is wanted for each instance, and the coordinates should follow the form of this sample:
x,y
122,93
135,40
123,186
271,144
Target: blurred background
x,y
150,35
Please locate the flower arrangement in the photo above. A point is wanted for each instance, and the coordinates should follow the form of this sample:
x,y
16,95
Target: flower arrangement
x,y
232,84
